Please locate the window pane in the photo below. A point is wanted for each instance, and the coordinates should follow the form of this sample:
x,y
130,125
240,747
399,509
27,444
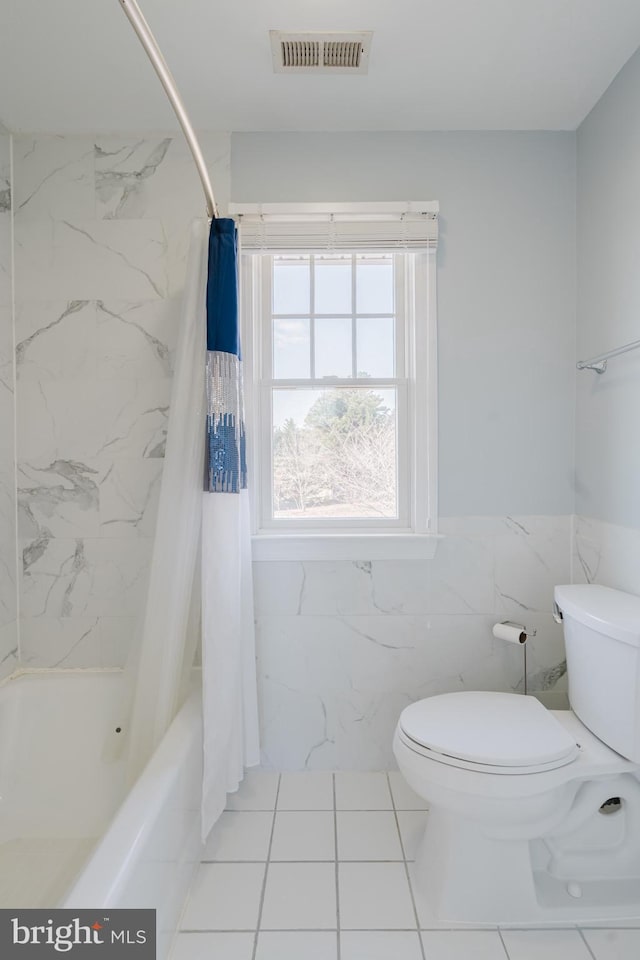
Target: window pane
x,y
291,349
374,285
333,346
291,286
333,285
375,347
334,453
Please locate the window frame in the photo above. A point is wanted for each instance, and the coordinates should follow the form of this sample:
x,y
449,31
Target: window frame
x,y
327,525
414,533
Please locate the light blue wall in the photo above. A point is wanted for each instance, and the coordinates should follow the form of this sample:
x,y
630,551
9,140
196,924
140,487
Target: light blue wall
x,y
608,315
506,289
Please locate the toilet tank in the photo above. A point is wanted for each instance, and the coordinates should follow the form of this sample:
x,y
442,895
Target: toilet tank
x,y
602,640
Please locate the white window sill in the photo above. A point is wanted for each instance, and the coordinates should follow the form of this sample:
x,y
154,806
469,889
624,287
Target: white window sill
x,y
338,546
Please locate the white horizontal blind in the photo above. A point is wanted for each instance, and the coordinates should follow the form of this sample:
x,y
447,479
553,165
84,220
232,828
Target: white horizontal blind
x,y
293,228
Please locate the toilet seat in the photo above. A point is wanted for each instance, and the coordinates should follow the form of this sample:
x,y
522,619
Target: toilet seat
x,y
497,733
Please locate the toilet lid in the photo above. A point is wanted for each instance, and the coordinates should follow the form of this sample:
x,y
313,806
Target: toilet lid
x,y
493,729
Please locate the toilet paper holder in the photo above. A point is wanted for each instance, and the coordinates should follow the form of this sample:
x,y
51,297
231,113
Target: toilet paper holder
x,y
512,632
515,633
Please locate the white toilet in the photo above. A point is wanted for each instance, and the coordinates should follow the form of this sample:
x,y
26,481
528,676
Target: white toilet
x,y
534,815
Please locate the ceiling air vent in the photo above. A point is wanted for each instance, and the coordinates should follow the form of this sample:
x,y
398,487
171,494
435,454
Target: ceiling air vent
x,y
320,52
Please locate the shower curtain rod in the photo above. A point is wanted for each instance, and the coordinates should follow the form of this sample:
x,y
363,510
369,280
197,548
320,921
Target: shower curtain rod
x,y
148,41
599,363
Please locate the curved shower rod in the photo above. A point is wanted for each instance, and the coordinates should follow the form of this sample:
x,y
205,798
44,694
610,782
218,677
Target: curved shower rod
x,y
599,363
148,41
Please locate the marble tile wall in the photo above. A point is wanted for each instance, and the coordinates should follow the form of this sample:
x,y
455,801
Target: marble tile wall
x,y
8,589
101,233
606,553
343,647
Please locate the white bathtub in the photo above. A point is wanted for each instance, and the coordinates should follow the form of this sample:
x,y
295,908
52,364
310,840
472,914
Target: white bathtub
x,y
68,836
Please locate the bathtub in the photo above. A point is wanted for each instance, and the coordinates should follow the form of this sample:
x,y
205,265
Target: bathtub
x,y
69,836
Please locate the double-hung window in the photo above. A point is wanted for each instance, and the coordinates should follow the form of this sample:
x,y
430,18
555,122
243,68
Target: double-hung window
x,y
339,334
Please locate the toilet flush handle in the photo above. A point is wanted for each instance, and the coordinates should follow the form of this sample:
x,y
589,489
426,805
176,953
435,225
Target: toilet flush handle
x,y
557,613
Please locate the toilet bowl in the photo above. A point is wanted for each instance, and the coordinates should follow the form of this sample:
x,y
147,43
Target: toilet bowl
x,y
533,818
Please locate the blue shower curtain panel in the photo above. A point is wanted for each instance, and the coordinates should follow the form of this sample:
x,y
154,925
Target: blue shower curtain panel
x,y
226,441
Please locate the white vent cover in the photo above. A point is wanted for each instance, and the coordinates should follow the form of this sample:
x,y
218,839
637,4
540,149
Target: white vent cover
x,y
320,52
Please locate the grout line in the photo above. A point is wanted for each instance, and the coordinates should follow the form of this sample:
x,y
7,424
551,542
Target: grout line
x,y
266,872
469,929
406,868
191,930
314,860
308,930
337,865
388,809
504,946
586,943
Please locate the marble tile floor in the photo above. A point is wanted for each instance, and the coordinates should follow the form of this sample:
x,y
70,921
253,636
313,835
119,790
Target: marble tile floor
x,y
317,866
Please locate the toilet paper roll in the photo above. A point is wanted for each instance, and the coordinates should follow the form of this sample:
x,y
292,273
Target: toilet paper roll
x,y
511,632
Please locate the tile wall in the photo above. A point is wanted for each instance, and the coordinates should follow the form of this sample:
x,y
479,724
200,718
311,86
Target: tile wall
x,y
343,647
8,598
101,233
606,553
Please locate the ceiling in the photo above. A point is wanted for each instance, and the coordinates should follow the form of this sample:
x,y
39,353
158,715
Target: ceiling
x,y
76,66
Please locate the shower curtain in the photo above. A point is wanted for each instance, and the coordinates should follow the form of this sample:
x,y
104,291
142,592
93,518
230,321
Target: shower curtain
x,y
228,645
220,575
167,637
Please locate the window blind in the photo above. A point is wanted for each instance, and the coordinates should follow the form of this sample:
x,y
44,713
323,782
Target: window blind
x,y
290,228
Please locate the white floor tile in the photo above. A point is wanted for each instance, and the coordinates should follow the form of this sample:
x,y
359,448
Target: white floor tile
x,y
295,945
412,824
303,835
224,896
380,945
404,797
240,835
257,792
213,946
545,945
463,945
300,896
306,791
375,896
366,835
362,791
614,944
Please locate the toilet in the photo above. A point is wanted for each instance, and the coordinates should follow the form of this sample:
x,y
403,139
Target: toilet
x,y
534,814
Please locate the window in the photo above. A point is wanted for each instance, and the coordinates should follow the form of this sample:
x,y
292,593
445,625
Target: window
x,y
340,379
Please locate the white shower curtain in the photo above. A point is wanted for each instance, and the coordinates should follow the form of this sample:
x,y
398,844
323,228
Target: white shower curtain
x,y
187,517
228,650
164,639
